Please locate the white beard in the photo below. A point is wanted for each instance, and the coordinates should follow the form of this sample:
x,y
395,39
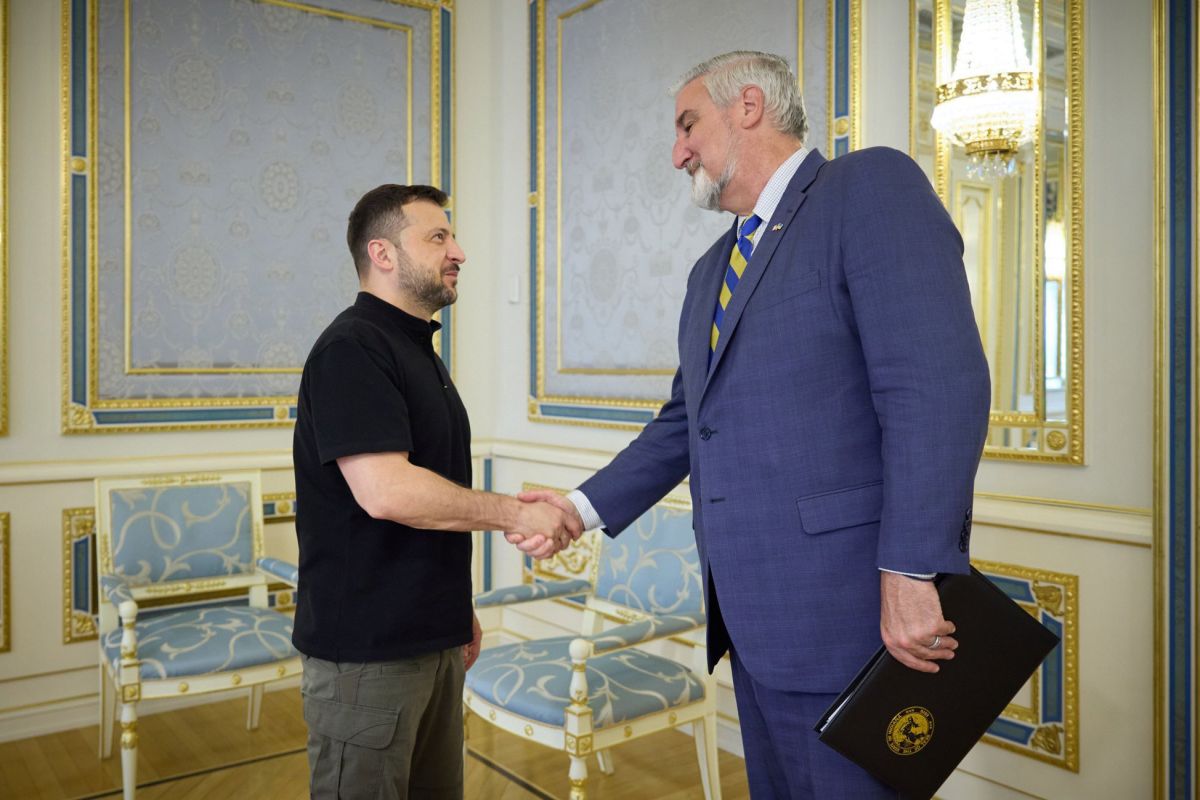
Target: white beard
x,y
706,191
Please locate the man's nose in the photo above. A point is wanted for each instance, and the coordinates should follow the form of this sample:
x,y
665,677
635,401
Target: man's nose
x,y
680,155
455,253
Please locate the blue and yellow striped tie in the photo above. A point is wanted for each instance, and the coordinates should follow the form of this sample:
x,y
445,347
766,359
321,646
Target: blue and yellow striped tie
x,y
737,264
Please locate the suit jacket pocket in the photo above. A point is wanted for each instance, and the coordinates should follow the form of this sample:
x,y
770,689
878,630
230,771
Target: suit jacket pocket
x,y
803,283
841,508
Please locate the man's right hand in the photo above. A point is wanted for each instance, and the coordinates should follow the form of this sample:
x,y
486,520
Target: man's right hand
x,y
542,528
559,501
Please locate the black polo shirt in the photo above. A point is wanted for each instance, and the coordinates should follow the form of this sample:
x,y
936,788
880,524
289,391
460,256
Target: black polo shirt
x,y
376,590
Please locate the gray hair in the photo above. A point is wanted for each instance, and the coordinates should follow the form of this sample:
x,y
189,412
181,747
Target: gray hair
x,y
726,75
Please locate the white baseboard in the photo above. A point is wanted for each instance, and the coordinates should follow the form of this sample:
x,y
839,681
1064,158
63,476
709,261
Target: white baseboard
x,y
48,718
80,712
965,785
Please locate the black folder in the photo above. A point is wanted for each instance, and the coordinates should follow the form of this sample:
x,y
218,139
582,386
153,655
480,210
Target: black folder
x,y
911,729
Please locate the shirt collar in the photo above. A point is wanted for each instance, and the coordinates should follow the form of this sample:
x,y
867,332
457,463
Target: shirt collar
x,y
381,309
772,193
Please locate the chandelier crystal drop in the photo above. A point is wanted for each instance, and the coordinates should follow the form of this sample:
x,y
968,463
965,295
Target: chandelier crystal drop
x,y
990,104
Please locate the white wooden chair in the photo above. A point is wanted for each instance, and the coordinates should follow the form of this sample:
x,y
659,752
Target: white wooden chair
x,y
184,538
585,694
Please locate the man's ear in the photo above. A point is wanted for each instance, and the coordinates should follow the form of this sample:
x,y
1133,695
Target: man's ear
x,y
380,256
751,106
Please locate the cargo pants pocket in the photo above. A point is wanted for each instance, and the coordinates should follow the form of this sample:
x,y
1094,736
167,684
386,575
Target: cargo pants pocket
x,y
351,741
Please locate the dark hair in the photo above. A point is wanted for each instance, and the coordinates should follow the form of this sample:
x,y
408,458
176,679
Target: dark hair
x,y
380,213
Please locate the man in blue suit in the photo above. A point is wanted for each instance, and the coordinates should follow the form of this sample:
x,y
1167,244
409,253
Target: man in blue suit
x,y
830,406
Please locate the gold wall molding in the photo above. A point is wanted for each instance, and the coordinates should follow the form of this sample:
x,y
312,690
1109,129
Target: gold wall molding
x,y
1053,714
79,624
4,126
844,129
5,583
1161,475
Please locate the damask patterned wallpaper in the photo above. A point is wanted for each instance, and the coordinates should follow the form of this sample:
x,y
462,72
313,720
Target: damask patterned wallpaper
x,y
251,134
616,233
621,230
223,145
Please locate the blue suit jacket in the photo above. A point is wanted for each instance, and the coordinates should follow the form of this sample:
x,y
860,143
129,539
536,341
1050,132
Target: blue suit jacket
x,y
838,428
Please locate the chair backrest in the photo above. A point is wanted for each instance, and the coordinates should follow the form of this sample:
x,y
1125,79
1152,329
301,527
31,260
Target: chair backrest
x,y
653,566
165,528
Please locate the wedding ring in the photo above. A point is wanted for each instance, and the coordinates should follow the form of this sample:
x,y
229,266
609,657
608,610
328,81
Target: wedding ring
x,y
936,641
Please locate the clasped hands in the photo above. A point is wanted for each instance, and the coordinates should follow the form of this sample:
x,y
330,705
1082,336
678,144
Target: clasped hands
x,y
547,523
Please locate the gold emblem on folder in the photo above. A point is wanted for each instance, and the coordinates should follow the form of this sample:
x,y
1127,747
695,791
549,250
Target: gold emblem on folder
x,y
910,730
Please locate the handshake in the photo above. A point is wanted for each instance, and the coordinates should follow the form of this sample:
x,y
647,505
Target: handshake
x,y
545,523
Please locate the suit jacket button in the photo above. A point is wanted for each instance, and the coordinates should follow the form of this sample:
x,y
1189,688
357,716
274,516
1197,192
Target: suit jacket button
x,y
705,434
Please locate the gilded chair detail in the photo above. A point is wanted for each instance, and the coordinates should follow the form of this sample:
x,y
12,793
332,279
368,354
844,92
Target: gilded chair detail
x,y
169,543
584,694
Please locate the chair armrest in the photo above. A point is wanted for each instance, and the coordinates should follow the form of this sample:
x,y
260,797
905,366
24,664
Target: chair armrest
x,y
509,595
288,573
115,590
643,630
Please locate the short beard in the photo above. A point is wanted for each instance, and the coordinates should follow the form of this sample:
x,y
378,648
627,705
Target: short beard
x,y
706,191
428,292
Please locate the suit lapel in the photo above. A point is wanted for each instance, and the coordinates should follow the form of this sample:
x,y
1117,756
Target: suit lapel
x,y
771,233
708,284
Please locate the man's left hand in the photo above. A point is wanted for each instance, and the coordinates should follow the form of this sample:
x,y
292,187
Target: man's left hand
x,y
471,651
911,622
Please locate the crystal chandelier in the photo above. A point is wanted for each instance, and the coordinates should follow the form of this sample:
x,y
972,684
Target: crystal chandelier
x,y
990,104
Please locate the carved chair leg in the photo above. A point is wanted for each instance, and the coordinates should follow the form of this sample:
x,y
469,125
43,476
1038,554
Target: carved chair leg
x,y
108,712
254,707
131,692
605,760
704,731
578,775
466,731
129,745
577,722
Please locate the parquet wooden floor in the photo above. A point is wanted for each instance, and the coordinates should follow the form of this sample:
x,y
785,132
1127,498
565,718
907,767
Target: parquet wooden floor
x,y
205,753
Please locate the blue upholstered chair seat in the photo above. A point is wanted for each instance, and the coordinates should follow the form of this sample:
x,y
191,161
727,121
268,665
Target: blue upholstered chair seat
x,y
196,641
532,679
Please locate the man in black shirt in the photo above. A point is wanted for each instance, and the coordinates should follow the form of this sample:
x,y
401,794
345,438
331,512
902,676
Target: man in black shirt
x,y
382,453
